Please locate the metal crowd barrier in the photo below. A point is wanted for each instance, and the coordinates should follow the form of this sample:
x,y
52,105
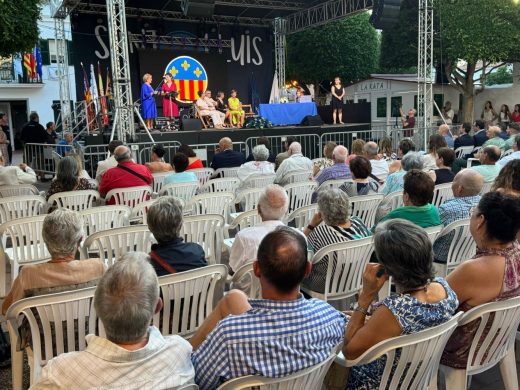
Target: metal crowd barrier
x,y
44,158
310,144
347,138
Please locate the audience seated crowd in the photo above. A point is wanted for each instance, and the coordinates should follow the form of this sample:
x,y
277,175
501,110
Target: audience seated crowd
x,y
157,163
194,161
294,163
225,156
324,162
180,164
260,166
68,178
362,182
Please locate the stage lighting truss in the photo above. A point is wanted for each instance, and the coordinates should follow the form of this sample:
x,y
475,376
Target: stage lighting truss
x,y
425,65
168,40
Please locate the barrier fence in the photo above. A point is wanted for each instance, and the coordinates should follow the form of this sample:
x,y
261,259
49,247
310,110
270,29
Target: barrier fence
x,y
310,144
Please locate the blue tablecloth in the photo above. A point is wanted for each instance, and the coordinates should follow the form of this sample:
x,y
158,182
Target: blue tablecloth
x,y
287,113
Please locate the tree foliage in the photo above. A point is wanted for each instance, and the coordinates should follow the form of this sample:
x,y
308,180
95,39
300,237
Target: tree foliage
x,y
348,48
18,25
503,75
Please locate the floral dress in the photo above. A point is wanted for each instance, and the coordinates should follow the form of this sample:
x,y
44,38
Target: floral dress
x,y
413,316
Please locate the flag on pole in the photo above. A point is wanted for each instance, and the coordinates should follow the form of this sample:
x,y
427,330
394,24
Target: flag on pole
x,y
102,97
38,55
27,64
33,66
88,97
109,85
17,64
93,89
275,91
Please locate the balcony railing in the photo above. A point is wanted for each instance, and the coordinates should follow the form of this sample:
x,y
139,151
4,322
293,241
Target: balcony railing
x,y
9,76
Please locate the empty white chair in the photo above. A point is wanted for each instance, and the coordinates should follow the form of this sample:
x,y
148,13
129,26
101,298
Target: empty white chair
x,y
227,172
226,184
204,230
22,206
184,191
394,199
297,177
158,180
433,232
130,196
212,203
188,297
258,181
203,174
300,194
441,193
101,218
333,183
486,188
302,216
346,263
248,199
244,279
489,347
18,190
74,200
462,151
462,246
110,245
365,207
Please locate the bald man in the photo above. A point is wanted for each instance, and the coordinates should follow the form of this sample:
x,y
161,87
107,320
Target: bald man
x,y
444,130
294,163
226,157
494,139
340,170
466,188
126,174
488,167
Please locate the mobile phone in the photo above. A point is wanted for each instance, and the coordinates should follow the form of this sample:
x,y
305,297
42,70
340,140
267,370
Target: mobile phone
x,y
380,272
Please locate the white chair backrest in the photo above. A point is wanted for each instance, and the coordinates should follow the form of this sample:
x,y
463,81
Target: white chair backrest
x,y
394,199
433,232
462,151
307,379
245,220
204,230
227,172
333,183
507,153
297,177
101,218
259,181
74,200
462,245
249,198
72,310
158,180
442,193
21,206
184,191
188,298
212,203
486,188
346,262
300,194
418,360
110,245
226,184
246,277
203,174
130,196
365,207
302,216
18,190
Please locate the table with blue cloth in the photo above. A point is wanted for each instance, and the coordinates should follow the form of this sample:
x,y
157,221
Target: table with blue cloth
x,y
287,113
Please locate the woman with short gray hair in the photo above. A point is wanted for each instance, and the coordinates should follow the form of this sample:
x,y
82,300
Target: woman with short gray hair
x,y
62,233
260,166
332,224
171,254
395,181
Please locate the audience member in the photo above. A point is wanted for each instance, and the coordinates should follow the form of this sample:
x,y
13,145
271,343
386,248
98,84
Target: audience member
x,y
258,167
417,196
512,131
4,146
226,157
405,145
339,170
206,108
494,139
133,355
489,115
444,130
264,336
464,139
443,173
263,141
479,132
330,225
508,180
326,161
408,122
385,150
504,116
357,149
65,146
448,113
492,275
503,131
194,161
62,233
361,183
435,142
126,174
488,167
466,188
284,155
68,178
157,163
52,136
515,115
4,126
422,301
296,162
513,156
33,132
379,165
181,175
16,174
171,254
395,181
110,162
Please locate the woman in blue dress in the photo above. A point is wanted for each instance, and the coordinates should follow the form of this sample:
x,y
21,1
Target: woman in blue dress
x,y
148,107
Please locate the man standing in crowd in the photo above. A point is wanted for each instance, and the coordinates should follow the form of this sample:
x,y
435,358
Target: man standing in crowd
x,y
296,162
52,137
33,132
488,168
226,157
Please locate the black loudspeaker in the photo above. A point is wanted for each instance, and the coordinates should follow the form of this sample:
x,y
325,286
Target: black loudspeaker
x,y
312,120
188,124
184,113
385,13
202,8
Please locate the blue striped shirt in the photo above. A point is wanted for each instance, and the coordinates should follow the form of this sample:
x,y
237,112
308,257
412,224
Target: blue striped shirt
x,y
273,339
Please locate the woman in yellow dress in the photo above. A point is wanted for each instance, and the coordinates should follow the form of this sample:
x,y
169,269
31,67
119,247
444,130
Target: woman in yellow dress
x,y
235,107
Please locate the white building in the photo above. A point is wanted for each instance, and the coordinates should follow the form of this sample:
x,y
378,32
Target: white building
x,y
18,99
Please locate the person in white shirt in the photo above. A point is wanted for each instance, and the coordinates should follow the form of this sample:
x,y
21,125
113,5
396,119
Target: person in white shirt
x,y
448,113
295,162
272,206
260,166
206,107
379,165
134,355
16,174
513,156
110,162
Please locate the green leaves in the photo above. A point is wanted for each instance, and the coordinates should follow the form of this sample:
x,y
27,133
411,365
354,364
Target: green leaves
x,y
18,25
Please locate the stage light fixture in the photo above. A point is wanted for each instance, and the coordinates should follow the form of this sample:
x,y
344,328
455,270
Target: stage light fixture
x,y
385,13
202,8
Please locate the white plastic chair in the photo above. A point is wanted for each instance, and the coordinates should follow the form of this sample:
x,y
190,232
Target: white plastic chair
x,y
302,216
297,177
248,199
486,188
226,184
158,180
212,203
139,212
184,191
22,206
18,190
242,221
258,181
27,246
101,218
462,246
496,346
300,194
110,245
307,379
394,199
72,310
204,230
507,153
74,200
416,363
442,193
130,196
188,298
203,174
365,207
462,151
329,184
245,280
346,262
433,232
227,172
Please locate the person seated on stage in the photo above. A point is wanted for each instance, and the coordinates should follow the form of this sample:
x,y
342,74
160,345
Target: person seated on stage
x,y
210,110
264,141
126,174
235,107
324,162
212,103
296,162
379,165
225,156
194,161
223,107
283,155
180,164
258,167
16,174
158,164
